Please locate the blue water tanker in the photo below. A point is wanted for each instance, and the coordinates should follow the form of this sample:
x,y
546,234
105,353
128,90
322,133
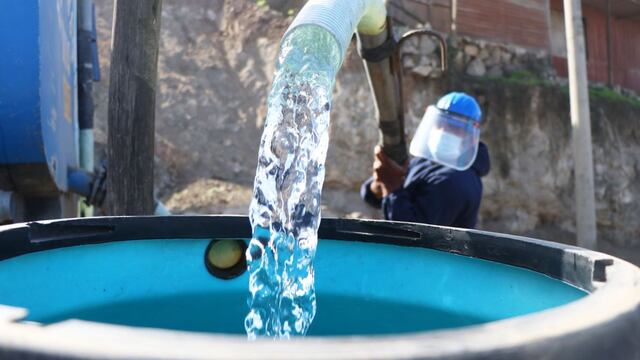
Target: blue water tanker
x,y
163,287
46,142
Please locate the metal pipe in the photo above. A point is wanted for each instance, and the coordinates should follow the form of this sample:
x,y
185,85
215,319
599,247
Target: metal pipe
x,y
5,205
80,182
609,51
454,16
11,207
87,149
90,186
386,84
86,43
383,64
85,83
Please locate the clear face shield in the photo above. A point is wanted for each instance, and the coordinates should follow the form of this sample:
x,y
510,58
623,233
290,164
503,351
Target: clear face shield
x,y
446,138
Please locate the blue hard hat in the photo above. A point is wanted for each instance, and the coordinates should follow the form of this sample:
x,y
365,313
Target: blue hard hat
x,y
461,104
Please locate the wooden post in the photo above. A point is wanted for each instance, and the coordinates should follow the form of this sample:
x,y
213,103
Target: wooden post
x,y
132,92
581,126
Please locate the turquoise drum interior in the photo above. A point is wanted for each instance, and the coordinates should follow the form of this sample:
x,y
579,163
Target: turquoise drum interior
x,y
363,288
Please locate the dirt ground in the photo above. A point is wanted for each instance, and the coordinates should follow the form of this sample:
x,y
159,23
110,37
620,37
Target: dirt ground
x,y
214,196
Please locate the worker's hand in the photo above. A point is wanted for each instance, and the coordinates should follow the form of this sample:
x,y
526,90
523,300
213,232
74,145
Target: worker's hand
x,y
376,189
389,174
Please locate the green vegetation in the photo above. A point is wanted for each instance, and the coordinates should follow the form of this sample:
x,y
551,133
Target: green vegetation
x,y
521,77
607,94
596,92
286,11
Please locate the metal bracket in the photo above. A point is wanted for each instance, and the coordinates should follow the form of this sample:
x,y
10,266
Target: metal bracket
x,y
398,57
419,32
98,186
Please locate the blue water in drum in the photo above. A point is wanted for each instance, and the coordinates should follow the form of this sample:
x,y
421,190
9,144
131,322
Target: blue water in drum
x,y
362,288
219,313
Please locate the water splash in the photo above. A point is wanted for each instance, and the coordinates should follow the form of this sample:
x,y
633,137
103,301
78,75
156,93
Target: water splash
x,y
285,210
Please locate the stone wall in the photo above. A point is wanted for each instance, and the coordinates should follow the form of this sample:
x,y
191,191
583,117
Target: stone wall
x,y
475,58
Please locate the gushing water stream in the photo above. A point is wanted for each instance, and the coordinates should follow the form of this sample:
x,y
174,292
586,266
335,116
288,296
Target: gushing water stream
x,y
285,210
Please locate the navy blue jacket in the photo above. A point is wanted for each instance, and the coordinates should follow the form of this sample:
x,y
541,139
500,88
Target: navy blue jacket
x,y
435,194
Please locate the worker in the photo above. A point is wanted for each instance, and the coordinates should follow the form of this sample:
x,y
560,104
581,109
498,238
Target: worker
x,y
441,184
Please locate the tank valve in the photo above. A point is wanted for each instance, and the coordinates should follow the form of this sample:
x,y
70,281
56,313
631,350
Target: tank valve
x,y
225,259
